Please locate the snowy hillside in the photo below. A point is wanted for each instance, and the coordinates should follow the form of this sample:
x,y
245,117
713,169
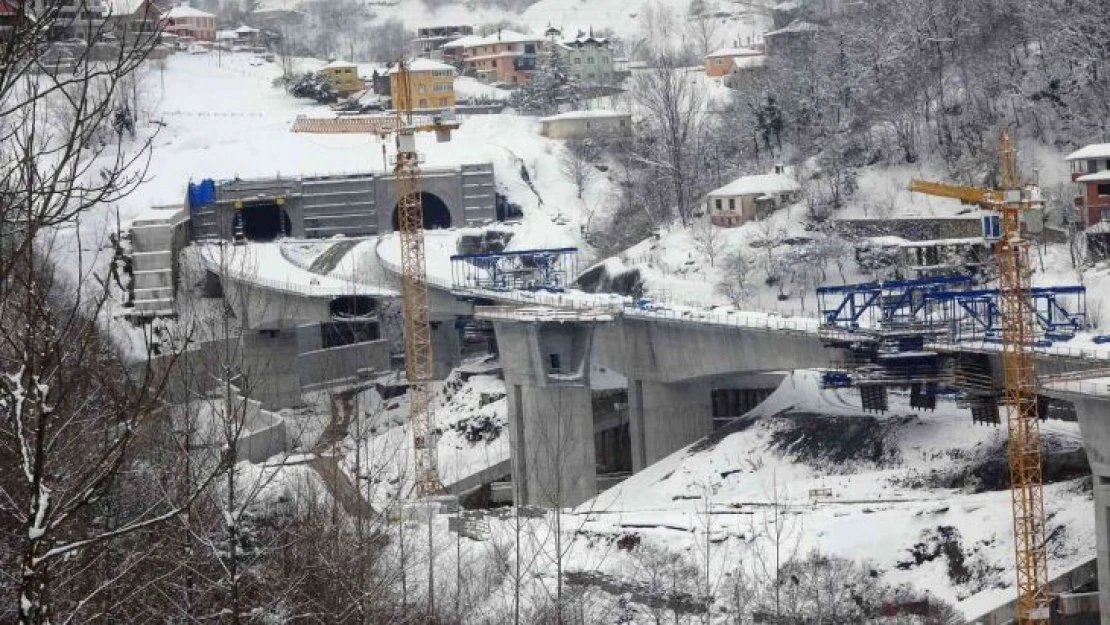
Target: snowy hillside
x,y
903,490
625,17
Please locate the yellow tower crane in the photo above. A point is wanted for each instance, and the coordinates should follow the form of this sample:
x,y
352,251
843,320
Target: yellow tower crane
x,y
414,282
414,279
1023,435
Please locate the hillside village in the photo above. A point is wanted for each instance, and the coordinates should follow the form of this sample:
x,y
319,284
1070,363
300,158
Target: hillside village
x,y
539,311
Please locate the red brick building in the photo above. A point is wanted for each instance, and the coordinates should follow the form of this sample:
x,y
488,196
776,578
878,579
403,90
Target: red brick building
x,y
1090,171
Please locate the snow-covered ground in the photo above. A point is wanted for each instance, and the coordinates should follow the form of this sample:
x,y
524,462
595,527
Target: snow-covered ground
x,y
472,418
895,480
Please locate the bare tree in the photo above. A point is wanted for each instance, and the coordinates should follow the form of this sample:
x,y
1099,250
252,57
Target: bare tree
x,y
707,239
734,281
577,163
674,123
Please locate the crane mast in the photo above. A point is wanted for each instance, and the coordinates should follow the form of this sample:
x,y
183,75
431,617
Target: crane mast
x,y
1023,433
414,292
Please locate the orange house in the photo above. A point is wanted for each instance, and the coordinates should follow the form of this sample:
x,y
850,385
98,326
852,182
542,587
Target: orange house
x,y
731,60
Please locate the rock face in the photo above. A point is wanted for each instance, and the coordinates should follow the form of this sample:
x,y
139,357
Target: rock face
x,y
601,279
486,242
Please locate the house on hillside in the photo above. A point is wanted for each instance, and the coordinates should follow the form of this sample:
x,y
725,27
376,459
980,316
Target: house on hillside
x,y
589,59
185,21
504,57
275,15
752,197
454,51
431,86
728,61
793,38
343,77
1090,171
136,16
430,40
586,124
247,36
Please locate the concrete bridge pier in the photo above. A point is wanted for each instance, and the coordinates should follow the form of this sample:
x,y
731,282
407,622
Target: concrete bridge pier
x,y
545,357
552,436
1092,406
664,417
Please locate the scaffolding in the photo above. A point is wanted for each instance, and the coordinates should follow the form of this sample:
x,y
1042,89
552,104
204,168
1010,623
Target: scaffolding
x,y
525,270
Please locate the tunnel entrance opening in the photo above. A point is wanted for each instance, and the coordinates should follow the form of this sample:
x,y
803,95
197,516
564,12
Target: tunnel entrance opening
x,y
261,222
436,214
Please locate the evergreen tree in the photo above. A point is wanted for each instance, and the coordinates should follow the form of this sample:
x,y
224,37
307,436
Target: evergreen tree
x,y
550,86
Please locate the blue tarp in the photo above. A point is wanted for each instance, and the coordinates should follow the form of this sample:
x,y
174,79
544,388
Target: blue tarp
x,y
202,193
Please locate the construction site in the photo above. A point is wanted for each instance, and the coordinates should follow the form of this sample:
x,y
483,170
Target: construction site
x,y
545,327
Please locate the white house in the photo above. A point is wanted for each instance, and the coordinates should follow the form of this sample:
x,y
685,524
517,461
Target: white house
x,y
584,124
749,197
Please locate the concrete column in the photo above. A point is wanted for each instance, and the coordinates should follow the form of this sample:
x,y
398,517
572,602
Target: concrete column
x,y
269,367
1094,423
552,437
446,350
666,417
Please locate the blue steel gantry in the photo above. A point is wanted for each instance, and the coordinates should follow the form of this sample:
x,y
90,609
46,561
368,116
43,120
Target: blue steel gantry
x,y
524,270
885,328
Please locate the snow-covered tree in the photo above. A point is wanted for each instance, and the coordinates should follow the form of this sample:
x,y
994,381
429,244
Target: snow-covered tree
x,y
550,86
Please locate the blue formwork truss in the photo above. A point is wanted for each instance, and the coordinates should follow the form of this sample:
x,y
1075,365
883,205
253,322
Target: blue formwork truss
x,y
524,270
944,305
1059,312
880,304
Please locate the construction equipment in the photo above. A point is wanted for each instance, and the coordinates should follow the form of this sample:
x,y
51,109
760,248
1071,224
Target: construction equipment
x,y
404,126
1023,442
414,283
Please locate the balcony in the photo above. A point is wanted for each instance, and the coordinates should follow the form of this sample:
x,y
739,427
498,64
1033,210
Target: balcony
x,y
524,63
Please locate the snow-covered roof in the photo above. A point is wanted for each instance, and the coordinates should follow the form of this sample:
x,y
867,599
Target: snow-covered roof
x,y
246,30
1095,150
464,41
123,7
424,65
787,6
734,52
596,114
338,64
1098,176
759,185
504,36
583,40
797,26
748,62
180,12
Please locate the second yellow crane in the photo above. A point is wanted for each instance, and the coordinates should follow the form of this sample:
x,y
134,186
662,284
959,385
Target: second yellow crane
x,y
1023,434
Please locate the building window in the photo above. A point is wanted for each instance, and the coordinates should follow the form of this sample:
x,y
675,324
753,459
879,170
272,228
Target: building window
x,y
1103,189
577,60
493,63
423,103
720,205
555,362
420,88
443,101
732,203
1105,214
590,60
